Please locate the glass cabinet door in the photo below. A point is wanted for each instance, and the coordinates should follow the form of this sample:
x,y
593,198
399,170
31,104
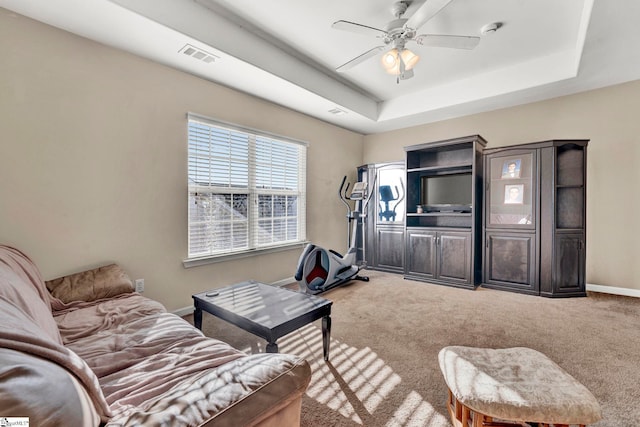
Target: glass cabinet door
x,y
391,194
511,193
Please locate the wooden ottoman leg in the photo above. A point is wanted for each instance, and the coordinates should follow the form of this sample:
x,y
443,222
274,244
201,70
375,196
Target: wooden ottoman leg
x,y
458,408
460,414
451,408
466,415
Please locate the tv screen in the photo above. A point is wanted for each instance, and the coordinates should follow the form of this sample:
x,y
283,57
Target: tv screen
x,y
447,190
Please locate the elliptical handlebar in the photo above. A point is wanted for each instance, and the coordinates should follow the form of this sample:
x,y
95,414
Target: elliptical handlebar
x,y
369,195
344,198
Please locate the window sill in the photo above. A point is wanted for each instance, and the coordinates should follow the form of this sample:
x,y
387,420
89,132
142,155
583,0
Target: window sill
x,y
213,259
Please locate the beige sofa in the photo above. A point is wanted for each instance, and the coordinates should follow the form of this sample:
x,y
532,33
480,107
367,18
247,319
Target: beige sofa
x,y
87,350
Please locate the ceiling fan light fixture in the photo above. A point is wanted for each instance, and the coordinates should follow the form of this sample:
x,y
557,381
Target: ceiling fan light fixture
x,y
409,58
391,60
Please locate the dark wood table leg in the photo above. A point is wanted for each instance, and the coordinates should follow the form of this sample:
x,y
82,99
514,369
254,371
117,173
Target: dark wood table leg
x,y
272,347
326,336
197,318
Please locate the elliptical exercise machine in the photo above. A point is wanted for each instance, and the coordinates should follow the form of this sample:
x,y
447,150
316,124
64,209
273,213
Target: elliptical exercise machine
x,y
319,269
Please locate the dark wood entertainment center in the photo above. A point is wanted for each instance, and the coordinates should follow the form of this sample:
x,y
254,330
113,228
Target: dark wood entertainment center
x,y
511,218
442,242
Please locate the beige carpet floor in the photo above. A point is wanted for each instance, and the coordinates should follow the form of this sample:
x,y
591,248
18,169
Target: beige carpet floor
x,y
386,335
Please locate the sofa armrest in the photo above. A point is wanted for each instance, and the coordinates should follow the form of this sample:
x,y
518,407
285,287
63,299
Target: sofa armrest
x,y
98,283
43,391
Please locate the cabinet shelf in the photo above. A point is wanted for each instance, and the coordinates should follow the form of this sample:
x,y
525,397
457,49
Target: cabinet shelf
x,y
462,167
569,186
426,214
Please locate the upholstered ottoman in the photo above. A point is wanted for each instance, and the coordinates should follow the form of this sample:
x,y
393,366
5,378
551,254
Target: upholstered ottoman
x,y
513,386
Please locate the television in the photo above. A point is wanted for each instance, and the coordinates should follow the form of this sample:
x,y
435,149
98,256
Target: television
x,y
446,193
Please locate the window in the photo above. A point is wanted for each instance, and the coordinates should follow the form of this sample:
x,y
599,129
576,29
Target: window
x,y
247,189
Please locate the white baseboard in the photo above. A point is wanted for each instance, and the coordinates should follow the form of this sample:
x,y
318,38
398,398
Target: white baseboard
x,y
613,290
183,311
284,282
188,310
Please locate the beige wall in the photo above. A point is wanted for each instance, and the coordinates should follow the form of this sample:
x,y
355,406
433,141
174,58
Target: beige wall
x,y
93,162
609,118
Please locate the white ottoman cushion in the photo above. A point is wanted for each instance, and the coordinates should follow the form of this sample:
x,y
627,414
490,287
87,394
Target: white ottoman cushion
x,y
516,384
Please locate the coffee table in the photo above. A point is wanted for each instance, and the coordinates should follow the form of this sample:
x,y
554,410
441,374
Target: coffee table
x,y
267,311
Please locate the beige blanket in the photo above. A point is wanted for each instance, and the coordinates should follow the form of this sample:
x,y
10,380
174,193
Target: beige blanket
x,y
142,355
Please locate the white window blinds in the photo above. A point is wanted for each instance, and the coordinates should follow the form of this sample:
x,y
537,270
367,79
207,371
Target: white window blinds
x,y
247,189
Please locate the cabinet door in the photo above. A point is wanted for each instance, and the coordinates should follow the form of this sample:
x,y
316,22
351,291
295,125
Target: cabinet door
x,y
390,194
569,265
390,249
389,207
454,257
510,260
421,253
511,190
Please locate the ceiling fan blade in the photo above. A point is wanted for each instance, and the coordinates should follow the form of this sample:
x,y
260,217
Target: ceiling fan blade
x,y
428,10
358,28
455,42
358,59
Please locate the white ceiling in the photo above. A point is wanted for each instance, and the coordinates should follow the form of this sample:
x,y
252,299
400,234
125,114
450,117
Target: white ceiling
x,y
286,51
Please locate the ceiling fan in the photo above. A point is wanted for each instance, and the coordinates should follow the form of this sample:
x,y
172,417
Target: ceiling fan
x,y
400,60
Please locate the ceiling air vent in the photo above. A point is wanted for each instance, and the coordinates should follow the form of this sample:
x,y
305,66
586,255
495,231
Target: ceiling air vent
x,y
197,53
337,111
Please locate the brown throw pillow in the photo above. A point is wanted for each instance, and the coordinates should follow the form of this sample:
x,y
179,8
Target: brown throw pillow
x,y
102,282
